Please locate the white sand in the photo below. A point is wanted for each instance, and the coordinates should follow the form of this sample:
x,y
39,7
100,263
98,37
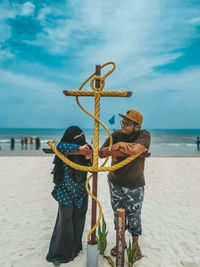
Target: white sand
x,y
170,216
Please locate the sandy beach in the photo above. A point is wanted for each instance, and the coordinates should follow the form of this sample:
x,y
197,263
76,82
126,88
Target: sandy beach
x,y
170,215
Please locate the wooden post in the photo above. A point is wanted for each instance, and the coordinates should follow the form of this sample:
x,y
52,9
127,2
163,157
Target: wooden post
x,y
95,174
120,237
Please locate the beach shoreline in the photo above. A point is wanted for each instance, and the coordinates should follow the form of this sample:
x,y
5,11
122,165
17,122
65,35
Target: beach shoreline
x,y
164,142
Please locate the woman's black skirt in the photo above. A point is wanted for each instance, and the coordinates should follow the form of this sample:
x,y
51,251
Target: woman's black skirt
x,y
66,238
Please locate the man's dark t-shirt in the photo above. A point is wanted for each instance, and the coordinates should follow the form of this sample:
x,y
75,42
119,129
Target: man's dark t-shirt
x,y
132,174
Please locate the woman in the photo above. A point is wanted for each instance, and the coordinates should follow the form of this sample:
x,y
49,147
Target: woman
x,y
72,199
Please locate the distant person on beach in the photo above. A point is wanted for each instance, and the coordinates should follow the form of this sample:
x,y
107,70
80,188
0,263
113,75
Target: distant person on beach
x,y
26,143
31,142
12,143
22,143
72,198
37,143
127,183
198,143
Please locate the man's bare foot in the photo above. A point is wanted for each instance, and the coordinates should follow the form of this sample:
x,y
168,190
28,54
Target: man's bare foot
x,y
138,252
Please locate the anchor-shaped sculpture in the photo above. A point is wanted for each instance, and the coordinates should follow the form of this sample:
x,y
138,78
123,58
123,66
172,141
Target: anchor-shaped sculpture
x,y
97,92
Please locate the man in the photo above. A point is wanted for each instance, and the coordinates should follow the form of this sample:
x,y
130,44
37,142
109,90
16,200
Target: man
x,y
127,183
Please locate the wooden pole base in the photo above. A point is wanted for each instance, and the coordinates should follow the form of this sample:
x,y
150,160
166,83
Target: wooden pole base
x,y
120,237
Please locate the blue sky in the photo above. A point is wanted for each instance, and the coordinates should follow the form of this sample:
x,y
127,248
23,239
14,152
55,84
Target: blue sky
x,y
49,46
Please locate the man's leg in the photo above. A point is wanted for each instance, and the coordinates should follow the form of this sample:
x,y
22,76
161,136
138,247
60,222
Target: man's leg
x,y
134,200
117,199
137,247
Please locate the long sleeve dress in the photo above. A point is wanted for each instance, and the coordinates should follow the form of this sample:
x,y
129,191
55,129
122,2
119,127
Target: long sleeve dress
x,y
72,198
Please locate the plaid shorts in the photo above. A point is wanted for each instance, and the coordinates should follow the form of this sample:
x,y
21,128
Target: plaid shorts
x,y
129,199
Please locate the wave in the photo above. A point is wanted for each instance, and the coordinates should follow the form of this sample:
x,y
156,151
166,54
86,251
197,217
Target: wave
x,y
5,141
173,144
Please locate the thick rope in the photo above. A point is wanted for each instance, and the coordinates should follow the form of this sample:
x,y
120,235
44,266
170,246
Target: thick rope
x,y
92,168
99,205
92,93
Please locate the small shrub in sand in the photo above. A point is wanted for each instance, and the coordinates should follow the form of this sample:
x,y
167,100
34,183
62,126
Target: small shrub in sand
x,y
102,241
132,251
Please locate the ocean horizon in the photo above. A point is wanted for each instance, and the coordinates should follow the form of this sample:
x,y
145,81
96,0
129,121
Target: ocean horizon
x,y
164,142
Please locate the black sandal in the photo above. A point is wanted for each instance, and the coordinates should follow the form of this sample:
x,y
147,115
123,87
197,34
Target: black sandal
x,y
113,251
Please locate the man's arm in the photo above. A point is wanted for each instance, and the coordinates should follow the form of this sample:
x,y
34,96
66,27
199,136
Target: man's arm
x,y
106,144
141,144
129,148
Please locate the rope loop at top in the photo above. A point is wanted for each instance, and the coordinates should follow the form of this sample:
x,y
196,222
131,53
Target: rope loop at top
x,y
101,81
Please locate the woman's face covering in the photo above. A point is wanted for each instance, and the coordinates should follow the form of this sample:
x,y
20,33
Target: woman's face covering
x,y
74,135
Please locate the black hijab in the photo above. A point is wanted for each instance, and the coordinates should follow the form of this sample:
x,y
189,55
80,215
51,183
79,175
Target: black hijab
x,y
68,137
70,133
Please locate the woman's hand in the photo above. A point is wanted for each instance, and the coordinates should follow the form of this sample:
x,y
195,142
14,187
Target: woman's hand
x,y
88,156
84,147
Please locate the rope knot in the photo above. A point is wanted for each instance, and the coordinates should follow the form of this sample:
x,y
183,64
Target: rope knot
x,y
101,81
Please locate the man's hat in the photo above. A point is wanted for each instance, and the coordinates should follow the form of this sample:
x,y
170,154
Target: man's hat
x,y
133,115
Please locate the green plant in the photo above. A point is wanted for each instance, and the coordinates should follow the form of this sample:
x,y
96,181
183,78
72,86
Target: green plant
x,y
110,261
102,237
102,241
132,251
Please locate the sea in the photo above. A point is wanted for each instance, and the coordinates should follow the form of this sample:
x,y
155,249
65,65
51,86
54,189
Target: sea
x,y
164,142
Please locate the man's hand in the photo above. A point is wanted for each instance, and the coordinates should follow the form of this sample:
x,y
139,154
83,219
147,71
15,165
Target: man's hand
x,y
121,145
128,148
116,146
132,148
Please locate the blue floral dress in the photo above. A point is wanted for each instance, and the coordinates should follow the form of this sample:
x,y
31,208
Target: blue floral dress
x,y
68,191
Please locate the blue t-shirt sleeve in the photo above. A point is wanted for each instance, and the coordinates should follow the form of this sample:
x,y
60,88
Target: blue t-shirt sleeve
x,y
66,147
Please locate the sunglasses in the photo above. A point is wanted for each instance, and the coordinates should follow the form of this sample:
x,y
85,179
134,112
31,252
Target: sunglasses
x,y
126,123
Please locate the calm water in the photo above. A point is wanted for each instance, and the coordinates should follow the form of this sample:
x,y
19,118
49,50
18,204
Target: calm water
x,y
167,142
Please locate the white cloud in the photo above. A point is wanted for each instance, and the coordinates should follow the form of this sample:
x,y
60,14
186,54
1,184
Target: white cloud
x,y
10,11
138,35
25,84
6,13
43,12
27,9
5,54
186,82
195,21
